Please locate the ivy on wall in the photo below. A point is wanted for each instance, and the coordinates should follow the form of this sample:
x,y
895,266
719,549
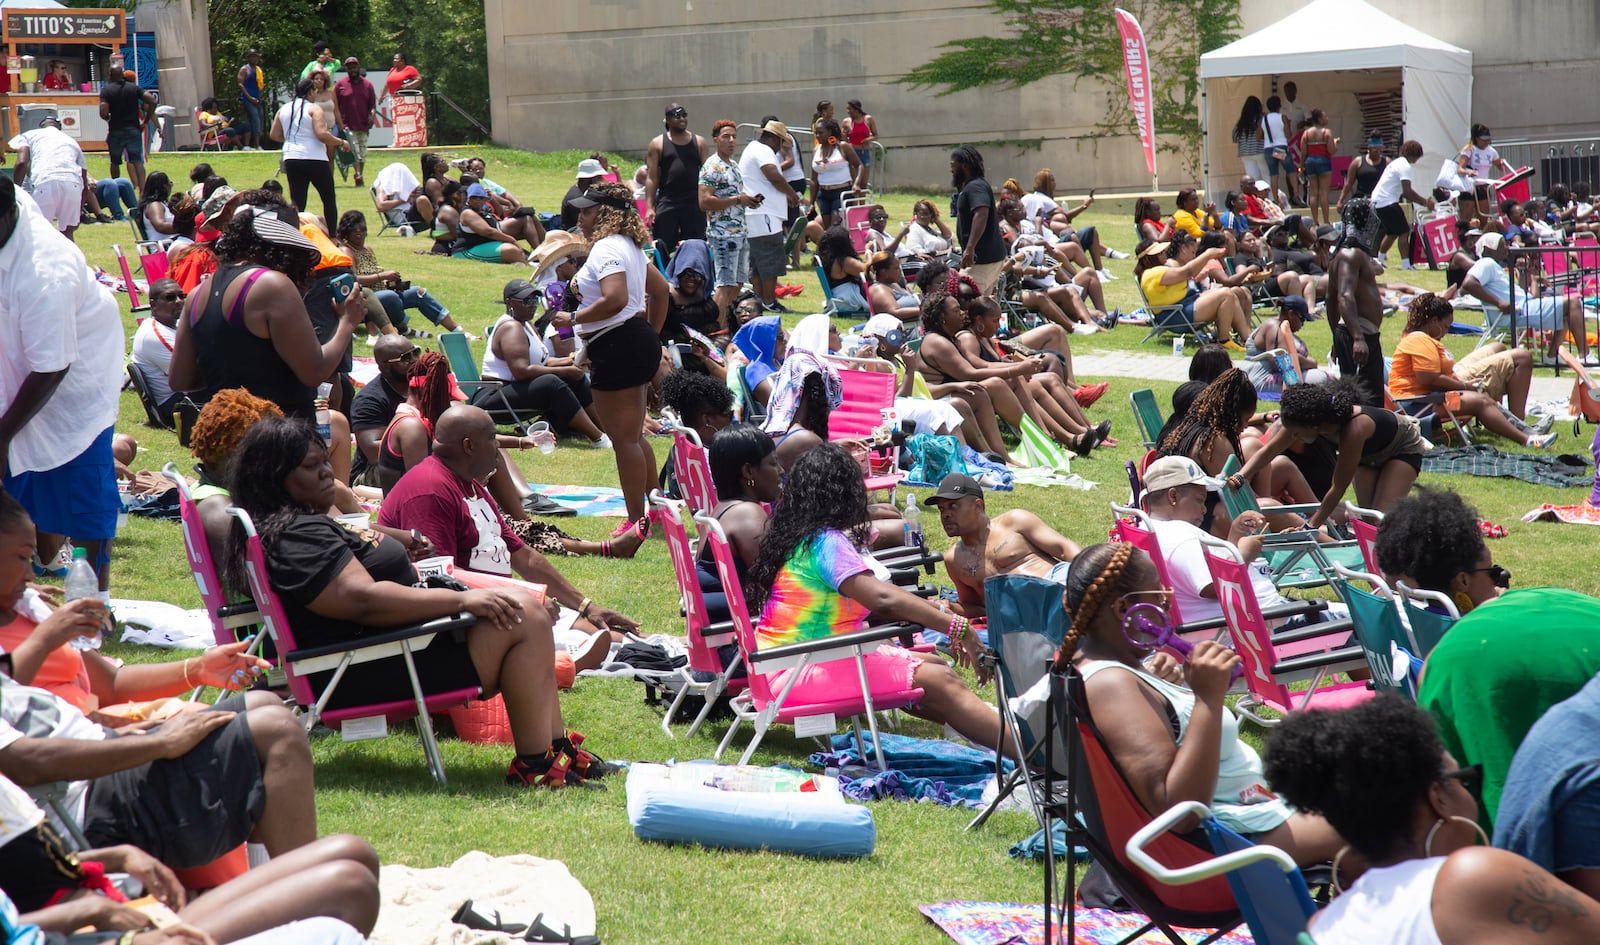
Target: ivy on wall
x,y
1044,38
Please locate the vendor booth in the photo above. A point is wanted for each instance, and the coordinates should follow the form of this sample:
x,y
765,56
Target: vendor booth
x,y
1367,70
85,42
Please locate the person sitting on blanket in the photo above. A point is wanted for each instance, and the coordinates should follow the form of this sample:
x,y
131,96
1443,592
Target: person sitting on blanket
x,y
337,584
1488,281
1166,726
1423,377
1406,803
811,580
324,893
37,638
1177,493
1511,656
1014,542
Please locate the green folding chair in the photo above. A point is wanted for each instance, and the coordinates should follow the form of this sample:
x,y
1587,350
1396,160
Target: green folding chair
x,y
1294,559
1379,627
458,352
1147,414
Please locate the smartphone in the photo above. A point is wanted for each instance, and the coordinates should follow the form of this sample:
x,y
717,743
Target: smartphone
x,y
342,285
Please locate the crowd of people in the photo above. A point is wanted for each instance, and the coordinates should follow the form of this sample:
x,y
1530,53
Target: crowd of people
x,y
654,305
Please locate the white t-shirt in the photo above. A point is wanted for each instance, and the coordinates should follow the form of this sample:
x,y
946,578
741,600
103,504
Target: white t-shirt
x,y
52,155
1388,190
832,170
796,172
1186,569
1038,203
55,316
1275,136
496,366
766,218
152,350
1481,160
1494,278
924,241
300,141
1294,113
615,253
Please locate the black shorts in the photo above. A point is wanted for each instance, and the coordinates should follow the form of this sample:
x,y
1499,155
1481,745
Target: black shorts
x,y
186,811
445,666
623,357
1393,220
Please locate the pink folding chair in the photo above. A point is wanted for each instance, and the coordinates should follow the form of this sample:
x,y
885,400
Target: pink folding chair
x,y
866,395
692,465
1267,673
1364,524
702,635
153,260
856,210
775,692
225,618
300,663
127,280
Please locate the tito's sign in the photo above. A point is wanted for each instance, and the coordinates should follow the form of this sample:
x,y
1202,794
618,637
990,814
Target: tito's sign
x,y
61,26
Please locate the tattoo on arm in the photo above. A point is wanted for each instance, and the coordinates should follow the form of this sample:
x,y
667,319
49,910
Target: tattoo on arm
x,y
1538,901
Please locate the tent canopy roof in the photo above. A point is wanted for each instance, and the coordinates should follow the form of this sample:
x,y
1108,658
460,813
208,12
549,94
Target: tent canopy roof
x,y
1334,35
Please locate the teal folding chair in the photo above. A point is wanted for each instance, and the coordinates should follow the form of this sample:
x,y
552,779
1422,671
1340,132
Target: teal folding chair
x,y
1381,630
458,352
1429,614
1294,559
1147,414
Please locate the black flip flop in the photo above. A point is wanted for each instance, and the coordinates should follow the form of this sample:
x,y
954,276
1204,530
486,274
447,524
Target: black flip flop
x,y
539,932
469,916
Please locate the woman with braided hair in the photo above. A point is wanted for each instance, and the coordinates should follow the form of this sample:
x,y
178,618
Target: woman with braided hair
x,y
1376,449
1217,426
1167,728
811,580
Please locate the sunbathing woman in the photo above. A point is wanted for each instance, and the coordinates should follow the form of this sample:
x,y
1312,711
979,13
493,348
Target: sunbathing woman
x,y
1377,450
1047,392
1167,727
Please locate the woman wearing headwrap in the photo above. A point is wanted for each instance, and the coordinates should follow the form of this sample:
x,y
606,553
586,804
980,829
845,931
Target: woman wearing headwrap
x,y
761,343
804,390
690,305
816,334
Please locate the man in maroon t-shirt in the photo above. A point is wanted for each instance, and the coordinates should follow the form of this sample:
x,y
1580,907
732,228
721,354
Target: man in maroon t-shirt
x,y
443,498
358,106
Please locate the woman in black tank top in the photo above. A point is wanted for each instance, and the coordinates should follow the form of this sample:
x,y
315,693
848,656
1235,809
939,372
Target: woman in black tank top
x,y
1378,451
1362,175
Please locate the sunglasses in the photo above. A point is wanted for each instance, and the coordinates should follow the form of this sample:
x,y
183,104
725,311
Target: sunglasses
x,y
1499,575
1471,778
411,355
171,297
1165,593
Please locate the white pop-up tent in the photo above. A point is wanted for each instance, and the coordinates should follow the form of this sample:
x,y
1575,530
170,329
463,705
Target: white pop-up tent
x,y
1340,54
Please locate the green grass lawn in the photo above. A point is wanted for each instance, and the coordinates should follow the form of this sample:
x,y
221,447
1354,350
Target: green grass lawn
x,y
647,893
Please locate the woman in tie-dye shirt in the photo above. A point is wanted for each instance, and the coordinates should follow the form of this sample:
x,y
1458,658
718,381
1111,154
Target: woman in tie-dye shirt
x,y
810,580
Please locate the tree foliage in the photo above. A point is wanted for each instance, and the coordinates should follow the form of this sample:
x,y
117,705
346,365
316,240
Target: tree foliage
x,y
1044,38
283,31
448,43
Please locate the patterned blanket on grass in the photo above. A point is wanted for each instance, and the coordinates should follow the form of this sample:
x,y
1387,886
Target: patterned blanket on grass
x,y
603,501
1012,923
1584,514
920,769
1541,469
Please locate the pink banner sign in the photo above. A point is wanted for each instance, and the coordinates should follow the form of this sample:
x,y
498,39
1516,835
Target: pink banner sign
x,y
1136,66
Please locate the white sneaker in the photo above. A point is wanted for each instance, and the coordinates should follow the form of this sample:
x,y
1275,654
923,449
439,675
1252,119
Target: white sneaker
x,y
1105,275
1406,264
604,443
1541,441
1116,254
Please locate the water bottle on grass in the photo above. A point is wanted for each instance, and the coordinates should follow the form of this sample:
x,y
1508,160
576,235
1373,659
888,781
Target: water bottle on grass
x,y
82,582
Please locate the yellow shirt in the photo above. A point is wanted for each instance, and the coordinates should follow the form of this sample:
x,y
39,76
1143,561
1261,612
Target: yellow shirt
x,y
1158,294
1193,224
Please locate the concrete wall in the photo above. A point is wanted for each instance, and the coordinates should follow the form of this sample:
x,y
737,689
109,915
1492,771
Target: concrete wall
x,y
597,74
1534,70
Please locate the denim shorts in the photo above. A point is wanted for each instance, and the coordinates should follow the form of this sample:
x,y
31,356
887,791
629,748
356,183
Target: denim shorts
x,y
1316,164
1278,162
730,256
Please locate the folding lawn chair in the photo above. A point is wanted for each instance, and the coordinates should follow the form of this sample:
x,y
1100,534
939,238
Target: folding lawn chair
x,y
1286,369
751,410
702,636
1363,523
775,693
830,305
692,465
1429,614
866,394
1267,884
127,280
388,224
305,666
1381,630
1147,415
226,618
1168,319
1295,559
459,354
1267,674
1027,622
1102,813
856,222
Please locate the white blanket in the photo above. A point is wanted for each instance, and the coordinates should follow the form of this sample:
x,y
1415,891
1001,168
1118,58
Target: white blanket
x,y
418,903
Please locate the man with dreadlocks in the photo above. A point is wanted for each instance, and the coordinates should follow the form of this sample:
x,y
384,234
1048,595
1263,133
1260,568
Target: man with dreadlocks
x,y
977,224
1355,307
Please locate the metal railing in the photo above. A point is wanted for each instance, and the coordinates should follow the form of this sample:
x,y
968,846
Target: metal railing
x,y
1555,160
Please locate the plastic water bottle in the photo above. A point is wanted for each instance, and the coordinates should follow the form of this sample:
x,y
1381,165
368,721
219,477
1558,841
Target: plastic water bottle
x,y
82,582
324,420
913,519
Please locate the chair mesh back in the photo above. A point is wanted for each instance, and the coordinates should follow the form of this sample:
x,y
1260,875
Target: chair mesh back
x,y
866,394
459,354
1276,905
1248,629
201,565
738,612
1134,533
1027,623
1429,627
1377,629
667,517
1367,538
272,615
692,465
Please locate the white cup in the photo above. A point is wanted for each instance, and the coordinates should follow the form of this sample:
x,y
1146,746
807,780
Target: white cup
x,y
539,431
357,521
443,565
1177,346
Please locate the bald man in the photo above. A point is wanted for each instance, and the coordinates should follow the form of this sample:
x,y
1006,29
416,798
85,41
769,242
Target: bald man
x,y
443,497
373,408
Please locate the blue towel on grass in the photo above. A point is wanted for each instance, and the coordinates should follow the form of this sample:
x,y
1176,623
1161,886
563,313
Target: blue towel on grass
x,y
920,769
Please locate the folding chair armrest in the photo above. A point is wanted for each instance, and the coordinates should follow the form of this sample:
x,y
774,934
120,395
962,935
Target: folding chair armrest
x,y
719,634
1327,659
440,625
909,556
878,634
492,383
244,608
1194,626
1205,869
1294,608
1312,631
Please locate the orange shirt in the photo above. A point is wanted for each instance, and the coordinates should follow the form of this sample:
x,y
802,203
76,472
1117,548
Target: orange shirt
x,y
1417,351
62,672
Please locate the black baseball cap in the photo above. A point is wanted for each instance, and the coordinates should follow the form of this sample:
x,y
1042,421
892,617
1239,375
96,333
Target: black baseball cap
x,y
1294,303
520,289
955,486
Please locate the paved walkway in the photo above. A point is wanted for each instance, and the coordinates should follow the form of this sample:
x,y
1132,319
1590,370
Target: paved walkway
x,y
1165,367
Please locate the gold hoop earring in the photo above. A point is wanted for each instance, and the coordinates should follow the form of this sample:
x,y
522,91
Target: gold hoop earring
x,y
1427,845
1338,858
1462,601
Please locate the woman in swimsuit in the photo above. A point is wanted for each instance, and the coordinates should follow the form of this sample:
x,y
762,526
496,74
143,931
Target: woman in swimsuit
x,y
1052,403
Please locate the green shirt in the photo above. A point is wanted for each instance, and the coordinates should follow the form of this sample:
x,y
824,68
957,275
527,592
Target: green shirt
x,y
316,64
1500,667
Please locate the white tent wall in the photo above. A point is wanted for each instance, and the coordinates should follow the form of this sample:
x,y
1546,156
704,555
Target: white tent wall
x,y
1333,92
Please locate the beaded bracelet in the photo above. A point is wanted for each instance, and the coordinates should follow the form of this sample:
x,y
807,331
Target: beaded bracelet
x,y
958,628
